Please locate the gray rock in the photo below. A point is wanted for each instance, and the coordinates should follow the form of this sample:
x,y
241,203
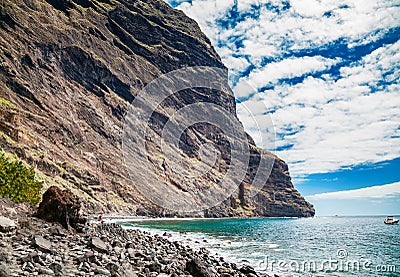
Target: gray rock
x,y
129,273
98,244
102,271
42,244
46,271
6,224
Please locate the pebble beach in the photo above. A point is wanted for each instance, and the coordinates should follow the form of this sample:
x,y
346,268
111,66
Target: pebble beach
x,y
30,246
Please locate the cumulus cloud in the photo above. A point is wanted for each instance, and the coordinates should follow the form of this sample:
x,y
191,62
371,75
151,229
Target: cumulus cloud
x,y
375,192
288,68
323,74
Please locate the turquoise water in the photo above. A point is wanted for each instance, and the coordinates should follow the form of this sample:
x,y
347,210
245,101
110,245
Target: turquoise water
x,y
321,246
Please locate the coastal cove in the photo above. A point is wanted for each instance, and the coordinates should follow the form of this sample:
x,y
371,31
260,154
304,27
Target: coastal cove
x,y
199,138
338,246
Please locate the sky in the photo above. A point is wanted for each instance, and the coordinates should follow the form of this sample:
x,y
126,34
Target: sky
x,y
323,76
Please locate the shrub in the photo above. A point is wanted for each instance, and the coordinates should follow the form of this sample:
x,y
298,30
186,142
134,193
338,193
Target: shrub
x,y
17,181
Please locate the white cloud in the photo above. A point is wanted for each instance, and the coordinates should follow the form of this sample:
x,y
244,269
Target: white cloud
x,y
377,192
344,122
302,24
333,120
288,68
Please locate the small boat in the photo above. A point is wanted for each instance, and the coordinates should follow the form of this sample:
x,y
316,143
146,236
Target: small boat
x,y
391,220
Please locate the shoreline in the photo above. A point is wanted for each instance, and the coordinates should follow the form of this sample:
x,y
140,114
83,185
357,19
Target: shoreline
x,y
119,219
34,247
218,246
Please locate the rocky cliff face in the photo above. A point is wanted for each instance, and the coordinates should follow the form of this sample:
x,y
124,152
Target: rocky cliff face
x,y
69,70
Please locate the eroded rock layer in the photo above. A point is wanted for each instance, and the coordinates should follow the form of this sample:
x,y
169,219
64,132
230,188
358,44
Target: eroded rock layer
x,y
69,70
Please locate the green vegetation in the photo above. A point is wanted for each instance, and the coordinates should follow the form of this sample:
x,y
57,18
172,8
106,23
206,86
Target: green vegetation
x,y
5,104
17,181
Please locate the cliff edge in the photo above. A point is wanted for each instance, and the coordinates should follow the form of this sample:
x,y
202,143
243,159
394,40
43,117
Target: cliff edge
x,y
69,70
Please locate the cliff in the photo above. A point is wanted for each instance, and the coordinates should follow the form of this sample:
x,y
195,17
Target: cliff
x,y
69,70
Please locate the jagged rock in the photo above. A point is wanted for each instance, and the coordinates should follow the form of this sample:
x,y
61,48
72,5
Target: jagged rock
x,y
246,269
98,244
62,207
6,224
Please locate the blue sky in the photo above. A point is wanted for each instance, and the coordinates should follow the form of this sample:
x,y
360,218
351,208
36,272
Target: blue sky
x,y
323,76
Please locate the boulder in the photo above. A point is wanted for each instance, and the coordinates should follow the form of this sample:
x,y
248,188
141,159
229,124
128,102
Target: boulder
x,y
42,244
198,268
6,224
155,267
246,269
98,245
61,206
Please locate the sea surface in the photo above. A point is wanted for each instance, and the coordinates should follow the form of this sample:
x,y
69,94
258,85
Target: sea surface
x,y
320,246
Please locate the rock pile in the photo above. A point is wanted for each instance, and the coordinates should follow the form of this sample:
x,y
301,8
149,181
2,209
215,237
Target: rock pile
x,y
38,248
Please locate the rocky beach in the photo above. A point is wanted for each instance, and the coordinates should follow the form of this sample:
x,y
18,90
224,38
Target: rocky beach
x,y
33,247
70,71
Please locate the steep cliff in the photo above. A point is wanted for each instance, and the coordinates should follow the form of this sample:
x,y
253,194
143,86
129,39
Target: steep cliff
x,y
69,70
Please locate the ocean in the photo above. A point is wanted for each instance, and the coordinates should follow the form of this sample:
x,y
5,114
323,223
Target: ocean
x,y
320,246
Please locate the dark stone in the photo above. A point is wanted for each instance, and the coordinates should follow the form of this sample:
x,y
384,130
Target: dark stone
x,y
155,267
27,60
62,5
116,243
58,269
246,269
62,207
198,268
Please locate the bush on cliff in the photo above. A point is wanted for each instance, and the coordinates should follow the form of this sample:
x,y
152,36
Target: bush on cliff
x,y
17,181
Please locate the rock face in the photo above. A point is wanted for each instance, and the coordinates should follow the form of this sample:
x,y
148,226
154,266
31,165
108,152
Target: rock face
x,y
69,70
62,207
